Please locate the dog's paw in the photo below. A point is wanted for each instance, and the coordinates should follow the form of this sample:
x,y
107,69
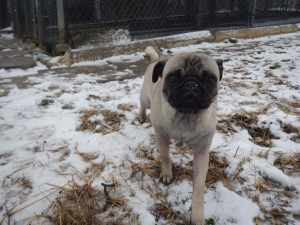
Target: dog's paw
x,y
142,116
141,120
197,220
166,176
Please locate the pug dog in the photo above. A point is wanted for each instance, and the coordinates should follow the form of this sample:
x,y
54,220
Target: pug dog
x,y
181,91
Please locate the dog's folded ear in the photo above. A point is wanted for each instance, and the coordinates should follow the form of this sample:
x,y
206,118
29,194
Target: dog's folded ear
x,y
220,65
158,70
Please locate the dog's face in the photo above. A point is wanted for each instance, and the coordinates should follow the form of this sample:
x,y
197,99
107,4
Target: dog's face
x,y
190,81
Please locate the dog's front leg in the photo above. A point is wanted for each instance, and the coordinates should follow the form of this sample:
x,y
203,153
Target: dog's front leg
x,y
200,167
166,175
142,115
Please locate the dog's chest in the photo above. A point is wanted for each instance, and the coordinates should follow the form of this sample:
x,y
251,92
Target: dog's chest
x,y
182,129
188,129
185,128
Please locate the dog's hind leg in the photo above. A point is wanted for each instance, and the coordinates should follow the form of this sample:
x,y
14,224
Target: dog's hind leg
x,y
166,175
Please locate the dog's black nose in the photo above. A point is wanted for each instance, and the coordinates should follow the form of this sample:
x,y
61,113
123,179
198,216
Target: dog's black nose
x,y
191,85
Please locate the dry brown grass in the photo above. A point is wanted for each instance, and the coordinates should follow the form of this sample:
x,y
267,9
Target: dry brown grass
x,y
148,120
269,73
294,104
180,172
87,157
95,170
274,209
98,98
77,205
164,210
225,124
36,148
238,69
84,204
259,84
125,107
238,85
152,169
22,182
289,107
245,119
296,138
216,171
61,92
183,172
276,213
289,128
182,149
112,121
248,120
85,120
289,164
261,136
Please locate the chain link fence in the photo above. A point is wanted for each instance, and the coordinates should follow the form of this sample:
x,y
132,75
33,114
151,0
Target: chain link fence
x,y
40,20
270,12
24,18
49,20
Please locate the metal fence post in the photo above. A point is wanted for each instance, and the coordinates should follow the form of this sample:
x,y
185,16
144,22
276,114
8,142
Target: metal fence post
x,y
3,14
27,17
16,15
40,21
252,17
35,27
286,6
61,21
200,13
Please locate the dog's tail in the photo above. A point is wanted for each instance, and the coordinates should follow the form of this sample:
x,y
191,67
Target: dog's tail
x,y
152,54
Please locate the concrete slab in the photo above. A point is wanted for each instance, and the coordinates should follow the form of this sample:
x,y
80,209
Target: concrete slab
x,y
101,74
254,32
112,71
6,31
11,53
10,43
12,56
17,62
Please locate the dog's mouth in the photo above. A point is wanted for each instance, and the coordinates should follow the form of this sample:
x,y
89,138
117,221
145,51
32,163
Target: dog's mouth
x,y
189,96
189,102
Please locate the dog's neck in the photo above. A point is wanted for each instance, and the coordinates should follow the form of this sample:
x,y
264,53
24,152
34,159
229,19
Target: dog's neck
x,y
189,118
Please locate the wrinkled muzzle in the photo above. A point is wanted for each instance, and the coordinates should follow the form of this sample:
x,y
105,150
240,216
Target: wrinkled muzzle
x,y
189,97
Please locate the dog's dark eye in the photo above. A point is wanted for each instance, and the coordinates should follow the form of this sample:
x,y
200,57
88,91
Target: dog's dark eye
x,y
210,81
173,79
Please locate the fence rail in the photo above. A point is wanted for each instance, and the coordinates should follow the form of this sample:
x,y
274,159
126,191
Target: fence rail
x,y
50,21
